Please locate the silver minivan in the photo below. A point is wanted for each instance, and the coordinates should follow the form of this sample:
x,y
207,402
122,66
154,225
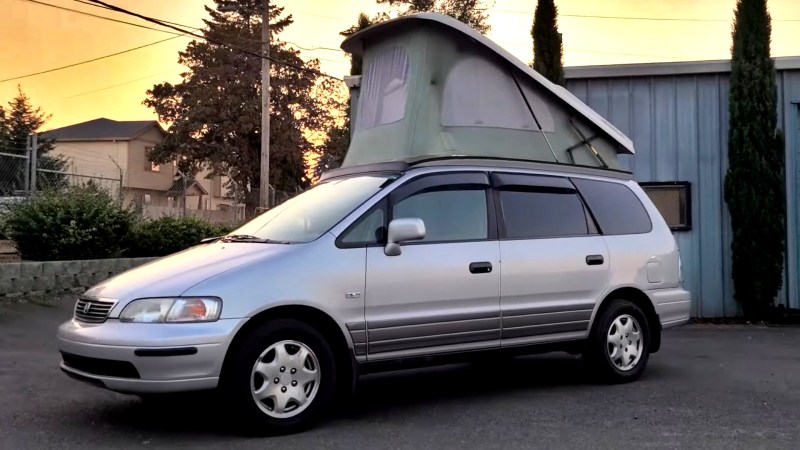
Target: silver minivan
x,y
434,259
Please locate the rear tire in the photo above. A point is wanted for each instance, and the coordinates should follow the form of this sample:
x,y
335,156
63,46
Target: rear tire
x,y
281,380
619,344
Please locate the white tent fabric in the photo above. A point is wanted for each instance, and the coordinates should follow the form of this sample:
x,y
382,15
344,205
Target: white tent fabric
x,y
383,96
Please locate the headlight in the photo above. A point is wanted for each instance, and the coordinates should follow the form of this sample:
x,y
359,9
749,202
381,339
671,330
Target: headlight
x,y
159,310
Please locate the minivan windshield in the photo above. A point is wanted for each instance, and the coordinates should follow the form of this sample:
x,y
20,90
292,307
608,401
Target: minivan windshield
x,y
311,214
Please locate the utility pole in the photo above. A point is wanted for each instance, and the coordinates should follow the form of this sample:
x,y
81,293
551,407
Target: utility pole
x,y
264,186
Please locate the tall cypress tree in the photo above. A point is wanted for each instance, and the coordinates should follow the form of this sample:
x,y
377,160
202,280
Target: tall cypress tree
x,y
754,184
548,51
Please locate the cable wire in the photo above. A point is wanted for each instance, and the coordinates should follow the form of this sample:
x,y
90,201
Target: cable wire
x,y
77,11
214,41
88,60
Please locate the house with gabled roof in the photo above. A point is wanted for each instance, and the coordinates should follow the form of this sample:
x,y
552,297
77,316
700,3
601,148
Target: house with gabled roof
x,y
114,154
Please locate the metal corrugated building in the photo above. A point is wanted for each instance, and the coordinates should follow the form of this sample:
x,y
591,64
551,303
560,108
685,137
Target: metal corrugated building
x,y
677,116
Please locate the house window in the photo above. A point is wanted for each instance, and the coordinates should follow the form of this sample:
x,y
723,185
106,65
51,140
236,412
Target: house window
x,y
146,199
674,201
149,165
171,202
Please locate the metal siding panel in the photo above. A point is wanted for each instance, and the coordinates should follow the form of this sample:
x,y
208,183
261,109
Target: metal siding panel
x,y
598,96
710,205
730,307
789,93
579,89
642,131
665,145
687,170
619,112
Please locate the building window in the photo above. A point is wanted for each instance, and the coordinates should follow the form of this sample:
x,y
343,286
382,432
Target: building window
x,y
674,201
171,202
146,199
148,165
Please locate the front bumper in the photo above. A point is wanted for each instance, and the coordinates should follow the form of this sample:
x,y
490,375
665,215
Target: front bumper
x,y
146,358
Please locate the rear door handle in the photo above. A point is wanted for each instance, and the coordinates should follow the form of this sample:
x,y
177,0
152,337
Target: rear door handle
x,y
480,267
594,260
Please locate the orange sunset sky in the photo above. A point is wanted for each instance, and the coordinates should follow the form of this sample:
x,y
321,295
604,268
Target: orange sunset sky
x,y
36,37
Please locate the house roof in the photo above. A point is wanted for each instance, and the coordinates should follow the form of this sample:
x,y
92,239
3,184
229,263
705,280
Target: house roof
x,y
193,187
355,45
667,68
103,129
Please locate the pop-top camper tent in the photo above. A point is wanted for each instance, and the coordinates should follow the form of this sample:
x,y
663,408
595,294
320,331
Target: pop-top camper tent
x,y
433,86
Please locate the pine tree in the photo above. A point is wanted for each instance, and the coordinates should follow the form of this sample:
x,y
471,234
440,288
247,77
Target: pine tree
x,y
471,12
754,184
17,122
548,50
215,111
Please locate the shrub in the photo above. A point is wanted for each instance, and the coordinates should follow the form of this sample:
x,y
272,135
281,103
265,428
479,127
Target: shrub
x,y
78,223
168,235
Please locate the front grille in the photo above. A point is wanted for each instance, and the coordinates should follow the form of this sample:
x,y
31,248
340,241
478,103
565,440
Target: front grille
x,y
92,311
102,367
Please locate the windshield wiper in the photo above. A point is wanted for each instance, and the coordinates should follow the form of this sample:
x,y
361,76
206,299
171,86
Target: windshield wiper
x,y
249,238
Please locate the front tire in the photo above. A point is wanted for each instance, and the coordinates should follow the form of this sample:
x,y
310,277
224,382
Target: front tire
x,y
619,344
282,379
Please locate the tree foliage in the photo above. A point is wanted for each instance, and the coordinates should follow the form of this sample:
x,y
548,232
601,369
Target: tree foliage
x,y
548,50
754,184
17,122
215,112
471,12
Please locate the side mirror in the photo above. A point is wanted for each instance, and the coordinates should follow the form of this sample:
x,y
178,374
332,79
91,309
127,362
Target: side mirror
x,y
403,230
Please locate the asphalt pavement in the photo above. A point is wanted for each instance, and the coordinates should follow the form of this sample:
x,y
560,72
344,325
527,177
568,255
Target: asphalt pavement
x,y
710,386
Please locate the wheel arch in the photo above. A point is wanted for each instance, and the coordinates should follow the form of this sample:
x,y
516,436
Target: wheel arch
x,y
640,299
346,364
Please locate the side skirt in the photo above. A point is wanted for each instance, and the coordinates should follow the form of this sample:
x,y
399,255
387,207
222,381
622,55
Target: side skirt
x,y
364,368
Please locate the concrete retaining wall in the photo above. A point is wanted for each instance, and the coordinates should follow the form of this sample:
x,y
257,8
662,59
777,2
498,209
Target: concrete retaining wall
x,y
57,277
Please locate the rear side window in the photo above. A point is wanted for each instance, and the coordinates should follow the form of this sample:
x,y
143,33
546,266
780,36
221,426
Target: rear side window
x,y
615,207
538,214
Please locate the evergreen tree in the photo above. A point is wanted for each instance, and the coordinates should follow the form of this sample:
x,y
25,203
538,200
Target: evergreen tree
x,y
754,184
17,122
471,12
548,50
215,112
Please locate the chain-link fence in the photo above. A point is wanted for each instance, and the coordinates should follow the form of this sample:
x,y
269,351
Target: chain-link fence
x,y
51,174
213,201
14,173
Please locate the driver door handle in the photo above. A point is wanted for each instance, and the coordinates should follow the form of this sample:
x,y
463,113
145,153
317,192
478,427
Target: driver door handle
x,y
594,260
480,267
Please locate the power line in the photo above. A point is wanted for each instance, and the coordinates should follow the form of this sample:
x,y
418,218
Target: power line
x,y
77,11
107,8
658,19
119,84
214,41
88,60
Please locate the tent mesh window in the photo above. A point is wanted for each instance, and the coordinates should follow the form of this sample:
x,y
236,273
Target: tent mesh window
x,y
673,201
